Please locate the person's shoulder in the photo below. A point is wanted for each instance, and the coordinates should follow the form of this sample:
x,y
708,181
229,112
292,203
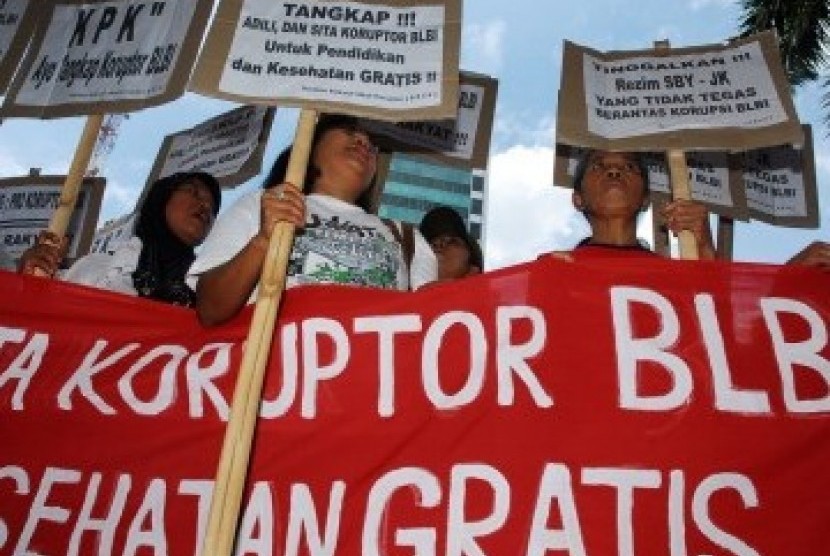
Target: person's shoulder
x,y
88,267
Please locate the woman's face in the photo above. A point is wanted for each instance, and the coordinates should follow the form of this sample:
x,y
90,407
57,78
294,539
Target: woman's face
x,y
453,257
189,211
613,185
347,161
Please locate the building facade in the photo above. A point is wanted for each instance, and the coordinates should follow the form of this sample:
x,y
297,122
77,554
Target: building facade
x,y
414,185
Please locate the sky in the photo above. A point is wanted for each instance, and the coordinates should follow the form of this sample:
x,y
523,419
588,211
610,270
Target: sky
x,y
520,44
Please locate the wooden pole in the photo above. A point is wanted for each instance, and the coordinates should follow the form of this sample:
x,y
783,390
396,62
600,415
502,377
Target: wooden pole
x,y
726,238
236,447
680,190
59,222
69,192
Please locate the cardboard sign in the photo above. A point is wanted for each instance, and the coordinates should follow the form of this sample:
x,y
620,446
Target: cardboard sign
x,y
27,204
780,184
390,60
17,20
648,404
107,56
463,141
229,147
717,97
714,178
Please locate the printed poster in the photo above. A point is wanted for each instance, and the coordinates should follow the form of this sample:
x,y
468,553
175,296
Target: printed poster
x,y
716,97
111,57
229,147
462,141
27,205
17,19
394,60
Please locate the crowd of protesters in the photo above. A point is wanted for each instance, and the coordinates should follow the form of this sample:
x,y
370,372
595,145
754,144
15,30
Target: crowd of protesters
x,y
338,237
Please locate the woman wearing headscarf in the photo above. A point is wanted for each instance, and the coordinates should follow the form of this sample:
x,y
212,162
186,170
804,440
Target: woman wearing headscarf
x,y
174,218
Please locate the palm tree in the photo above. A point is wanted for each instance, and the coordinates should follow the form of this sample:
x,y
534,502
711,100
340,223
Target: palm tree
x,y
802,27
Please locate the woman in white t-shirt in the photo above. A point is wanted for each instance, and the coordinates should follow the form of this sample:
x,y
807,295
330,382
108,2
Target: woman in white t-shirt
x,y
338,239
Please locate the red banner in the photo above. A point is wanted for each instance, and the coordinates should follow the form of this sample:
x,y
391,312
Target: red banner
x,y
588,408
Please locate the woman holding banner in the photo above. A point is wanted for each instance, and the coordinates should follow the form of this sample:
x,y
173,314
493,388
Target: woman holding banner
x,y
176,215
339,239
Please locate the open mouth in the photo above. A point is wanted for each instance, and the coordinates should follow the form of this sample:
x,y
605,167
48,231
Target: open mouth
x,y
202,217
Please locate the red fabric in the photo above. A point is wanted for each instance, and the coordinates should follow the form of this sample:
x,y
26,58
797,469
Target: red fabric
x,y
711,476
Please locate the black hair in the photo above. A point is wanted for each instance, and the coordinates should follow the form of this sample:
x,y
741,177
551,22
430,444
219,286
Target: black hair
x,y
326,122
585,161
152,216
445,221
164,258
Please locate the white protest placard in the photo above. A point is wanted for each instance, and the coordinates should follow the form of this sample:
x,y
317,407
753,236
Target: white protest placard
x,y
780,184
107,56
719,97
714,178
393,59
27,204
113,234
463,141
229,147
17,19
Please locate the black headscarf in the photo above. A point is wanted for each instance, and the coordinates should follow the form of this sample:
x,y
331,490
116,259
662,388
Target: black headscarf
x,y
165,259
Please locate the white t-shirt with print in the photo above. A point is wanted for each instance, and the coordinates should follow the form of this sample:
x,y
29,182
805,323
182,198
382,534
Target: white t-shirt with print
x,y
340,244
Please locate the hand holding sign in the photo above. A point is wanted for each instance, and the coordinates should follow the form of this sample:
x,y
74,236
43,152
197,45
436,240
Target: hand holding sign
x,y
45,256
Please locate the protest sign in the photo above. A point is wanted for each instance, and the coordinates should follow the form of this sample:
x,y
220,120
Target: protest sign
x,y
17,19
27,204
463,141
644,406
780,184
718,97
390,60
229,147
107,56
714,178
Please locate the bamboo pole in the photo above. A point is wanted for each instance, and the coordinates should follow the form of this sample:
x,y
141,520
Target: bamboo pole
x,y
69,192
59,222
680,190
236,447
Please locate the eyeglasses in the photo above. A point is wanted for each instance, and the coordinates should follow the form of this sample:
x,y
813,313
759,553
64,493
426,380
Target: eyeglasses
x,y
197,191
